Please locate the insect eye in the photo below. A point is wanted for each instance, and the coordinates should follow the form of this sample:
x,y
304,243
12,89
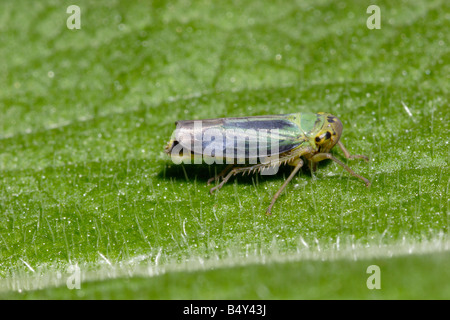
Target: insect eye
x,y
323,137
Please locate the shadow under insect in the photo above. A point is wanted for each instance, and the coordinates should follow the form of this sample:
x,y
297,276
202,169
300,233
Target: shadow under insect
x,y
204,172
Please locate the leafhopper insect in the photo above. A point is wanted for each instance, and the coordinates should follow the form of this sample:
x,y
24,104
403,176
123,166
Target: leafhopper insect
x,y
251,144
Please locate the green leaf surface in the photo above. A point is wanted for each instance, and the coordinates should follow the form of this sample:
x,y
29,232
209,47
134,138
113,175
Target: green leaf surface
x,y
85,115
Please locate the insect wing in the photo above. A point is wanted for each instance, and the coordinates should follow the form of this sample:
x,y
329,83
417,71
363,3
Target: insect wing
x,y
239,140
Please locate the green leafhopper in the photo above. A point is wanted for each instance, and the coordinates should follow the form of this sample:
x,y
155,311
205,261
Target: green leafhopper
x,y
260,143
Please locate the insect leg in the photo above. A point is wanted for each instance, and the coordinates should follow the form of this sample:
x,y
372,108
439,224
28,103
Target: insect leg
x,y
313,168
220,175
322,156
275,197
349,156
232,173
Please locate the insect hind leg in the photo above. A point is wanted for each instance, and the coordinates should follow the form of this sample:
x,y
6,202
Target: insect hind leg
x,y
235,171
220,175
